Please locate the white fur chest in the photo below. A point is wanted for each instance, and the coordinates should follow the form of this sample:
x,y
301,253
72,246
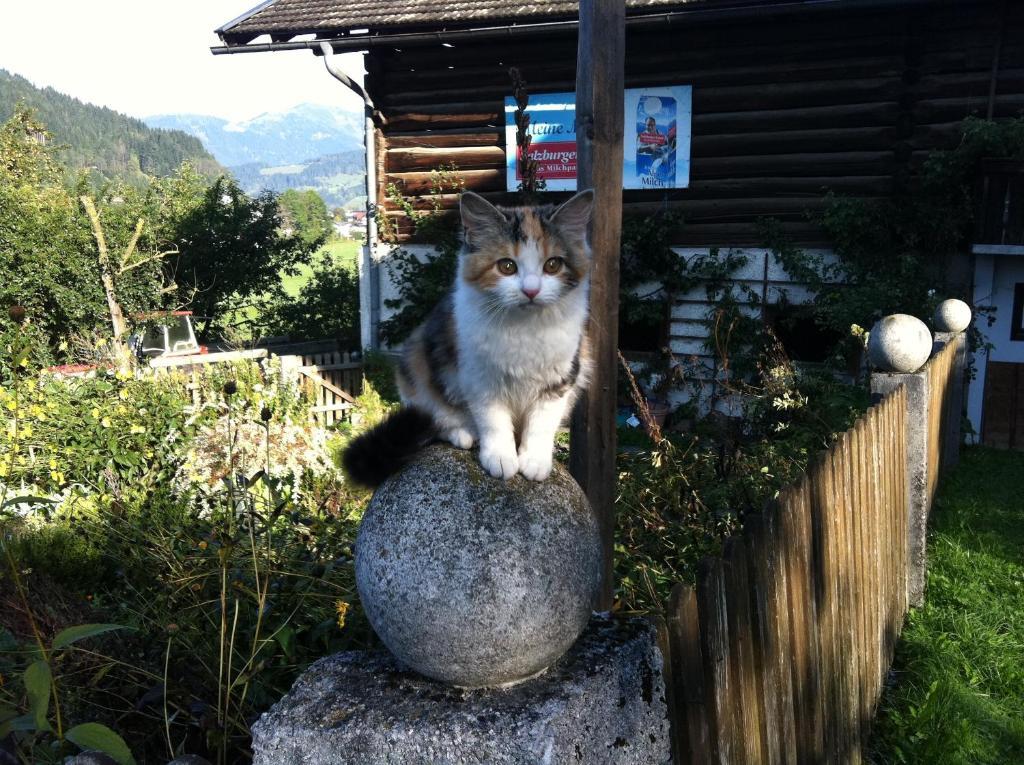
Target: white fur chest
x,y
518,354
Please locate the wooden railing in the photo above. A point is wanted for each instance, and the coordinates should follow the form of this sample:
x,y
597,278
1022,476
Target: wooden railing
x,y
779,653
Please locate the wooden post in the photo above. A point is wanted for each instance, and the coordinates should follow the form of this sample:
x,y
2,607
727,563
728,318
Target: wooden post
x,y
599,124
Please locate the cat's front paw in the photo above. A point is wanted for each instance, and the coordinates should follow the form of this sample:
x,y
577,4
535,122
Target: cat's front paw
x,y
500,463
460,438
535,464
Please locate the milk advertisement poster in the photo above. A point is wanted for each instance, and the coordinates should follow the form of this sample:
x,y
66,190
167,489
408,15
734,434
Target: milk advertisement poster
x,y
656,139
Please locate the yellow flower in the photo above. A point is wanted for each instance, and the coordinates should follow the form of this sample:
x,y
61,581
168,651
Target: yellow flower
x,y
342,608
53,464
105,422
26,431
4,469
11,405
95,413
136,429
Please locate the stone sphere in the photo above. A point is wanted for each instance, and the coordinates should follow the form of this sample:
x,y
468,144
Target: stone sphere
x,y
472,580
899,343
952,316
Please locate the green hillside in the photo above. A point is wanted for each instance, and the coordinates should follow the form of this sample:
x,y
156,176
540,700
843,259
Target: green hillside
x,y
110,143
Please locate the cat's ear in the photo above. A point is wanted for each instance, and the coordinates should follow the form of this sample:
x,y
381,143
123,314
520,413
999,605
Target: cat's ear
x,y
573,217
481,220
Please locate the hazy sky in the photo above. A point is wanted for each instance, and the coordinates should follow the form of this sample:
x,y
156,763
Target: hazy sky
x,y
144,57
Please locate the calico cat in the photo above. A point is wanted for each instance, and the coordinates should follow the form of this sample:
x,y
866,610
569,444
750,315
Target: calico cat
x,y
501,359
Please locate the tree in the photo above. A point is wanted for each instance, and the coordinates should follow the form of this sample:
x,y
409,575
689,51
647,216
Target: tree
x,y
113,267
327,306
44,244
305,212
233,252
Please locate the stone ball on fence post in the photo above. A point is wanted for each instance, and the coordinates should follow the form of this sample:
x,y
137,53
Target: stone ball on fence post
x,y
472,580
952,316
899,343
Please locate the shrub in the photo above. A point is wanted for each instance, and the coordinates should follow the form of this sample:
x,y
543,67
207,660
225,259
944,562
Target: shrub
x,y
230,587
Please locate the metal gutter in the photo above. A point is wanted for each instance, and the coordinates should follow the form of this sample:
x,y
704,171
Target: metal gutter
x,y
369,266
546,29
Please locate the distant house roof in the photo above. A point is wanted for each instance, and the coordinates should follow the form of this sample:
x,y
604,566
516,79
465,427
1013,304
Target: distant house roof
x,y
284,20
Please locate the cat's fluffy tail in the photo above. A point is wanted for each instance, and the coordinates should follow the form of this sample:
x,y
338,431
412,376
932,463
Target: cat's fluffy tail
x,y
386,447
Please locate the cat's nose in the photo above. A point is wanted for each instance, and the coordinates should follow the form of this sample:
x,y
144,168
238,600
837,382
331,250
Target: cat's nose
x,y
531,286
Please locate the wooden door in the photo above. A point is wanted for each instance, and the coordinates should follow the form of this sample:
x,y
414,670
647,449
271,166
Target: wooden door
x,y
1002,424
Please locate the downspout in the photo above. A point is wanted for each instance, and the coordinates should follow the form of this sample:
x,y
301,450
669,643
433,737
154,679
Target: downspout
x,y
370,266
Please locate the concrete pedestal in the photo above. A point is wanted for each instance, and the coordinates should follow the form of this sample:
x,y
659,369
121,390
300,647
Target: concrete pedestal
x,y
603,702
918,502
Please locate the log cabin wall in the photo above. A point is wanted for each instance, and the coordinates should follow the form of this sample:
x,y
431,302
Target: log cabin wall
x,y
785,108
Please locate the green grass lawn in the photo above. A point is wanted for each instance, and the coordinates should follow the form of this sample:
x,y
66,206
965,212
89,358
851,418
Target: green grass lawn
x,y
342,251
958,695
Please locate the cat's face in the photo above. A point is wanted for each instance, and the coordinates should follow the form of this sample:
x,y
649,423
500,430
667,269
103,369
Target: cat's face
x,y
525,257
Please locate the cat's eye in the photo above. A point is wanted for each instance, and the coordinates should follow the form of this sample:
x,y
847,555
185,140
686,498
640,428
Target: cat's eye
x,y
507,266
553,265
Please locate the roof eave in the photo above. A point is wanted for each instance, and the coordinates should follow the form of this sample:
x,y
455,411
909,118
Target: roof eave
x,y
343,40
244,17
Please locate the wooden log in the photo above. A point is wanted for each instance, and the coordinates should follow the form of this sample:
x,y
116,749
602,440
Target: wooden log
x,y
860,138
744,119
419,183
446,116
714,644
838,162
443,139
467,157
599,119
690,721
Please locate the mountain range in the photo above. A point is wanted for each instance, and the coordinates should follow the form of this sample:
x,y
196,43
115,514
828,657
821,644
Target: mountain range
x,y
307,147
300,134
108,143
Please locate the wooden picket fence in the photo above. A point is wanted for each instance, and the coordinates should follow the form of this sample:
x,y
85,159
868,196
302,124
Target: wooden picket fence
x,y
332,379
780,651
940,369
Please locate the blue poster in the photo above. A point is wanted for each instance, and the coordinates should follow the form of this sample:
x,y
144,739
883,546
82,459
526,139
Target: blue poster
x,y
656,140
